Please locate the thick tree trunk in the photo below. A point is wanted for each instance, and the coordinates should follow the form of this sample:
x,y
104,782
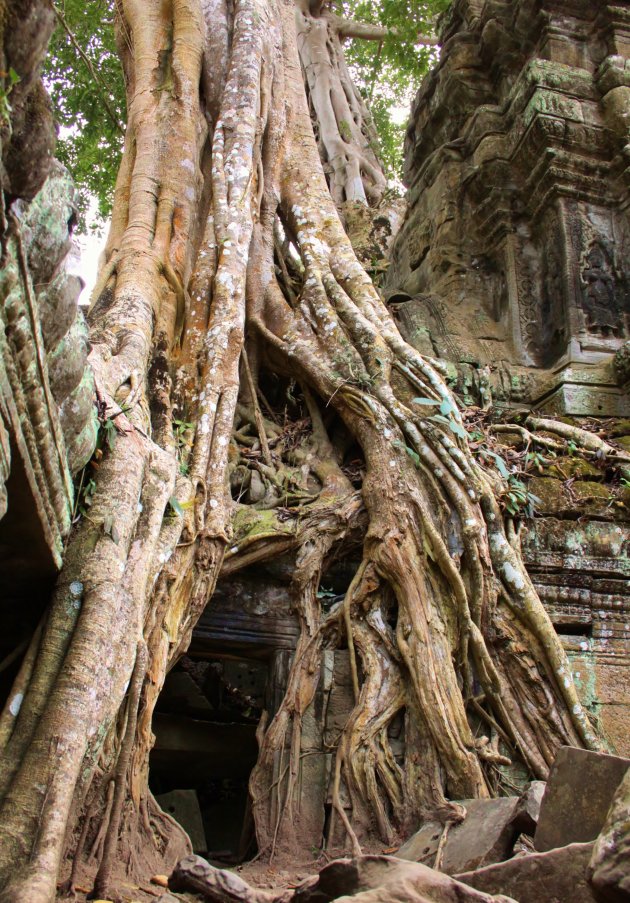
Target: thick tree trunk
x,y
344,130
227,259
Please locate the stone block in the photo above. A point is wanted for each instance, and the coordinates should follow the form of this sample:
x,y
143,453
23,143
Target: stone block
x,y
422,846
340,705
486,835
575,468
183,805
579,792
367,878
584,401
615,720
557,876
528,808
550,492
313,780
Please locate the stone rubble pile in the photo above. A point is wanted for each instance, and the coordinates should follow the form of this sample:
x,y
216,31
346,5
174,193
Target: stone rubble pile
x,y
528,849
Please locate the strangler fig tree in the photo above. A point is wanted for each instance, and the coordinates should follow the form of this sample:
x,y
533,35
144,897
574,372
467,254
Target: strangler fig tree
x,y
227,267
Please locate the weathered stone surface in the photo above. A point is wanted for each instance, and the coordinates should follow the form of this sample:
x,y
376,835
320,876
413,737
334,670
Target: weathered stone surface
x,y
527,811
513,248
183,805
507,266
575,468
27,150
367,879
579,793
47,387
608,868
383,879
486,835
423,845
558,876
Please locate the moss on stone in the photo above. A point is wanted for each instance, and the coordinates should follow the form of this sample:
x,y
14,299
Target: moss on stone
x,y
623,442
575,468
551,494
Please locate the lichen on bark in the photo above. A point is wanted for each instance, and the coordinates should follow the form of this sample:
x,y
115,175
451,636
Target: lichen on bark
x,y
227,261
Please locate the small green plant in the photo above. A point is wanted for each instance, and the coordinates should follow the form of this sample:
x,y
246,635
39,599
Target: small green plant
x,y
11,79
446,415
518,501
181,428
487,454
175,508
415,457
535,460
84,495
107,434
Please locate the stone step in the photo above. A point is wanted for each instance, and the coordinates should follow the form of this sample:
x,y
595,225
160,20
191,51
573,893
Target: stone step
x,y
579,792
554,877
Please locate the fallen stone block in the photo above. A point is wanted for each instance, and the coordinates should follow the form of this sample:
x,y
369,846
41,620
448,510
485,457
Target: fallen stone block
x,y
183,805
528,808
579,793
423,845
608,869
558,876
486,835
366,879
384,879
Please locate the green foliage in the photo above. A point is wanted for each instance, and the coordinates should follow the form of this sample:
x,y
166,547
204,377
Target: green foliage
x,y
84,493
388,74
106,434
12,78
89,144
537,461
175,507
517,500
182,432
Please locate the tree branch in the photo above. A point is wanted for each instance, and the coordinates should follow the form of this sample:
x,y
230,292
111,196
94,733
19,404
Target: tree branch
x,y
367,31
110,110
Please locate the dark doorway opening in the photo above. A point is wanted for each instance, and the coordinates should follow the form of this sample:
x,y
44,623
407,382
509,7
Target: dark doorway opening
x,y
28,571
205,727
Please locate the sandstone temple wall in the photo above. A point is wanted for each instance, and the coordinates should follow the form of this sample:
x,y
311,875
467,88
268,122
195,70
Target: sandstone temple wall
x,y
517,238
48,419
513,265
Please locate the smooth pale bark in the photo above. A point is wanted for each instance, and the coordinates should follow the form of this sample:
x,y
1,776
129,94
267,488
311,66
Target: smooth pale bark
x,y
345,134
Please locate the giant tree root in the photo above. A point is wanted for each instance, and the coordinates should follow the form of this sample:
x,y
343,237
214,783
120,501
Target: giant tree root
x,y
378,879
441,619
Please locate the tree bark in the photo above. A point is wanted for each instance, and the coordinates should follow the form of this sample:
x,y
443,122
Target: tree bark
x,y
221,177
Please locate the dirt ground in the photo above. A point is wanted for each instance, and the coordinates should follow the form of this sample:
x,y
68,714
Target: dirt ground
x,y
275,876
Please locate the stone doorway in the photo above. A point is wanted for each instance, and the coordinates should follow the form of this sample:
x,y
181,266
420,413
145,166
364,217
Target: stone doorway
x,y
205,727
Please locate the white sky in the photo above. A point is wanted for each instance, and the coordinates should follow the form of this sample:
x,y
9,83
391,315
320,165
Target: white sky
x,y
83,260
